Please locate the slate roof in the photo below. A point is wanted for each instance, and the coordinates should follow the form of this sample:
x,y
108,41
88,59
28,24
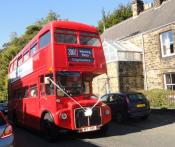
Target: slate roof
x,y
145,21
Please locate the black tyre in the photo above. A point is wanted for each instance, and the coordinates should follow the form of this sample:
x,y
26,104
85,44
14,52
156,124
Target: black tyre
x,y
145,117
48,127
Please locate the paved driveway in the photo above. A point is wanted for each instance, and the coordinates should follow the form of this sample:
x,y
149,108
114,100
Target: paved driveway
x,y
157,131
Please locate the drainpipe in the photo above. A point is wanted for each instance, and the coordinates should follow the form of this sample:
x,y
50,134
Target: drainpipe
x,y
108,88
144,66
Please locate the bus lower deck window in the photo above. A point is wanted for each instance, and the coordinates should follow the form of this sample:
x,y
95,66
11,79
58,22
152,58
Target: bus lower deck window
x,y
33,91
49,87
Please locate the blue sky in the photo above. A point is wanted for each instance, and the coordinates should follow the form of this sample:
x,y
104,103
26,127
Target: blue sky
x,y
16,15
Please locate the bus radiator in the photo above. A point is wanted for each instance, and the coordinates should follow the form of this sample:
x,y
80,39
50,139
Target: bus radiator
x,y
82,121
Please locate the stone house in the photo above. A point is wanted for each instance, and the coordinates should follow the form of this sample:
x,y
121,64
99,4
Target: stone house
x,y
124,68
151,30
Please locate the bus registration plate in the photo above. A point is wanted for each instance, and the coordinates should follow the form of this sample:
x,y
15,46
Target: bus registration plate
x,y
87,129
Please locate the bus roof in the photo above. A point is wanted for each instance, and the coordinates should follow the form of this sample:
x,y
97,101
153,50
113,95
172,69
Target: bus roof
x,y
60,24
73,25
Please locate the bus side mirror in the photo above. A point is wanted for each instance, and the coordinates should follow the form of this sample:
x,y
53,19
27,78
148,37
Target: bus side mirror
x,y
46,80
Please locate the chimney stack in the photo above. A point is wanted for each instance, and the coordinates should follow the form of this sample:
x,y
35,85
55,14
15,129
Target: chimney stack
x,y
157,3
148,6
137,7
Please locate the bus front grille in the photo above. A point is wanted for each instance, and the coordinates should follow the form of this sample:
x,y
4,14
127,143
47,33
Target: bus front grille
x,y
82,121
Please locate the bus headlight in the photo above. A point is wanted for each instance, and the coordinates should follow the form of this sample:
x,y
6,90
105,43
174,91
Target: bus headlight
x,y
107,112
63,116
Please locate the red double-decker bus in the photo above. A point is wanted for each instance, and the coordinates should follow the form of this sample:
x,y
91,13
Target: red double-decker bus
x,y
70,54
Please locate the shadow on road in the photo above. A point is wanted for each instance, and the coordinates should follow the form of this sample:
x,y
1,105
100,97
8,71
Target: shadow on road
x,y
137,125
27,138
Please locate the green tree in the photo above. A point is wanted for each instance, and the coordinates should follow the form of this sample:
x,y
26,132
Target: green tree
x,y
51,16
11,48
122,13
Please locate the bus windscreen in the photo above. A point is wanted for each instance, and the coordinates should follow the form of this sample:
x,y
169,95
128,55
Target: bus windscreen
x,y
71,82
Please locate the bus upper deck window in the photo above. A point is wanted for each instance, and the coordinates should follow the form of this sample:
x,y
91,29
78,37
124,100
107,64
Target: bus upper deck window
x,y
26,55
34,49
90,39
15,65
66,36
20,61
45,39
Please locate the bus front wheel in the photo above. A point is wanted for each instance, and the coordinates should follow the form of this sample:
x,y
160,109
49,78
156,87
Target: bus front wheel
x,y
48,127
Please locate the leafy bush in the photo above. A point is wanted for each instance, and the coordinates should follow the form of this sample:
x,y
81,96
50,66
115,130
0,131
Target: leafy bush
x,y
11,48
161,98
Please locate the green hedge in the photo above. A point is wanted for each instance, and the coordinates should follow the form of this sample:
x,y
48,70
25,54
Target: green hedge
x,y
161,98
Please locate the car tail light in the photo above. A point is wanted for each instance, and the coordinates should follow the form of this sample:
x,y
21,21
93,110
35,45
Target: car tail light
x,y
7,132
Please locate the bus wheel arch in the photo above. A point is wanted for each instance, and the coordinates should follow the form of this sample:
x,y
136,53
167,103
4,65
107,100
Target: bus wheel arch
x,y
48,126
46,115
46,112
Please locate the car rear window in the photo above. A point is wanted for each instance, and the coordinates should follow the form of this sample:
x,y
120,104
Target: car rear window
x,y
2,121
136,97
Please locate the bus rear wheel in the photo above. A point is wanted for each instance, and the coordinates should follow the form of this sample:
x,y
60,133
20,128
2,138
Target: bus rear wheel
x,y
48,127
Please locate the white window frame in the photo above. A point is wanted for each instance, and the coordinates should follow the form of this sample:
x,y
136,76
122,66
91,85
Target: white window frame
x,y
165,84
161,42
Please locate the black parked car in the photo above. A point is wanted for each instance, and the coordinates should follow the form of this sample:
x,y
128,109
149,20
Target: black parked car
x,y
127,105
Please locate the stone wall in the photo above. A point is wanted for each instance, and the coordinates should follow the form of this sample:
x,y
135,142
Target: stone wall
x,y
122,76
99,85
155,64
131,76
107,82
137,40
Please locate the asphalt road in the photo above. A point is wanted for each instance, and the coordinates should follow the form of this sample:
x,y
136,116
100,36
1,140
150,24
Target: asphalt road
x,y
157,131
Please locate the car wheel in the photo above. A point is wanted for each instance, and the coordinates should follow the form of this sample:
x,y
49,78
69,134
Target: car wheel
x,y
145,117
48,127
